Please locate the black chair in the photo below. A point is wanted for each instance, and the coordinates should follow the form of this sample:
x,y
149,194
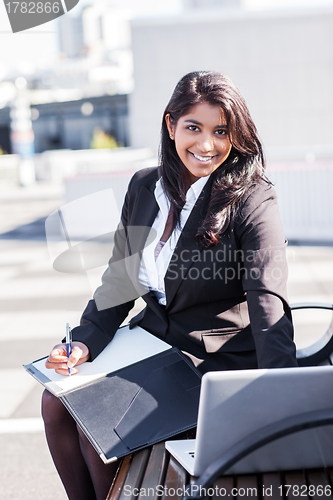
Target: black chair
x,y
321,349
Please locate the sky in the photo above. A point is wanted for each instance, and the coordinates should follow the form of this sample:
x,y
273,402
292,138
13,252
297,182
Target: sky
x,y
39,45
25,48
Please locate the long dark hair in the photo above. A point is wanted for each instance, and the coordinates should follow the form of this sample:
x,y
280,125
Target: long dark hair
x,y
244,166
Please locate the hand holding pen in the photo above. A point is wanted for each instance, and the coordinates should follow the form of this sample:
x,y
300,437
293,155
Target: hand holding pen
x,y
68,346
65,357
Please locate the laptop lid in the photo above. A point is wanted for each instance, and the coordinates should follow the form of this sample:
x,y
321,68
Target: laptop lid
x,y
233,404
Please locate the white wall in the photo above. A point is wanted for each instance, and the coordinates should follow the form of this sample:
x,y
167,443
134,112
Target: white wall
x,y
305,199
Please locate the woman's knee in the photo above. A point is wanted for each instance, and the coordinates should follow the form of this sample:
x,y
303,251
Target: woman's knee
x,y
53,411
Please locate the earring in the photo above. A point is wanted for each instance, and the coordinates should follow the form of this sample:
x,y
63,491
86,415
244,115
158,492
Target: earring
x,y
171,136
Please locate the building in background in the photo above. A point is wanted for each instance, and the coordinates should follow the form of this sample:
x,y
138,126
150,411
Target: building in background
x,y
5,143
85,88
70,34
71,125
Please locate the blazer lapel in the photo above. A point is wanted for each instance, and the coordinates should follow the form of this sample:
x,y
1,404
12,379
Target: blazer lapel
x,y
174,275
142,217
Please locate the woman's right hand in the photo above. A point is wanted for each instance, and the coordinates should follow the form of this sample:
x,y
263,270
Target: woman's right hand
x,y
59,361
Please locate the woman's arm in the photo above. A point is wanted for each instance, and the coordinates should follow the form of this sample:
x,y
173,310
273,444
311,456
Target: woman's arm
x,y
261,238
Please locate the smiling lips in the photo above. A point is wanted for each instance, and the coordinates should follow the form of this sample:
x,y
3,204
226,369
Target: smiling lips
x,y
202,158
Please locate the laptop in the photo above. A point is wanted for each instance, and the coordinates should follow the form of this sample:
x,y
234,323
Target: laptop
x,y
234,404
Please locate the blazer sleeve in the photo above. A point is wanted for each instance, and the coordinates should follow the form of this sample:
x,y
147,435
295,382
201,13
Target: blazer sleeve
x,y
260,234
113,299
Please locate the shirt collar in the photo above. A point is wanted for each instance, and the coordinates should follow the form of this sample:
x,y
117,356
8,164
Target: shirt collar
x,y
192,194
195,189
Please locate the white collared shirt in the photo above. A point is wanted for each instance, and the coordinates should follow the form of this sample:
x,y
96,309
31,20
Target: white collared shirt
x,y
152,272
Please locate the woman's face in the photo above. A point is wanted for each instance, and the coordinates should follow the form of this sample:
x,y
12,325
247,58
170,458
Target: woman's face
x,y
201,139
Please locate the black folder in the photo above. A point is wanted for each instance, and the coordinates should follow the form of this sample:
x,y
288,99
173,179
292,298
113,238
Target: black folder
x,y
136,406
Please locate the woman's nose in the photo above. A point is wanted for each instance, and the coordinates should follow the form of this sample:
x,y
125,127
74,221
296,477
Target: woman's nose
x,y
206,143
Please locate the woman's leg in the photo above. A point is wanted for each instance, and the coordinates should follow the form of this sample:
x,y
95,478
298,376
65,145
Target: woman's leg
x,y
77,463
63,440
101,474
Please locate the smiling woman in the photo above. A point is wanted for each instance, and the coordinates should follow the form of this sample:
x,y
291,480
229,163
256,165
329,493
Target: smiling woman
x,y
213,276
207,121
201,139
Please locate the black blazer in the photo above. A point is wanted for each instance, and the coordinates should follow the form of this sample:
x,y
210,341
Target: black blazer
x,y
226,305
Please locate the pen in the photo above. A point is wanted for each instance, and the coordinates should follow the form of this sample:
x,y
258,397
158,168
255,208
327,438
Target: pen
x,y
68,343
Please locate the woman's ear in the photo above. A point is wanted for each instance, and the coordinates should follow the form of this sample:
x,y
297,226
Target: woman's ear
x,y
170,125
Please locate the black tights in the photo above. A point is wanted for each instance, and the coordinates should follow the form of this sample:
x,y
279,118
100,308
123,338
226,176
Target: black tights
x,y
84,475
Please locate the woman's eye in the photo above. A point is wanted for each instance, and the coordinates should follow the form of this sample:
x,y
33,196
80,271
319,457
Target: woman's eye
x,y
221,131
193,128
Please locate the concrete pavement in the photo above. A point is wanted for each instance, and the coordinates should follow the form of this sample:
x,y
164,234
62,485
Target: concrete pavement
x,y
35,303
